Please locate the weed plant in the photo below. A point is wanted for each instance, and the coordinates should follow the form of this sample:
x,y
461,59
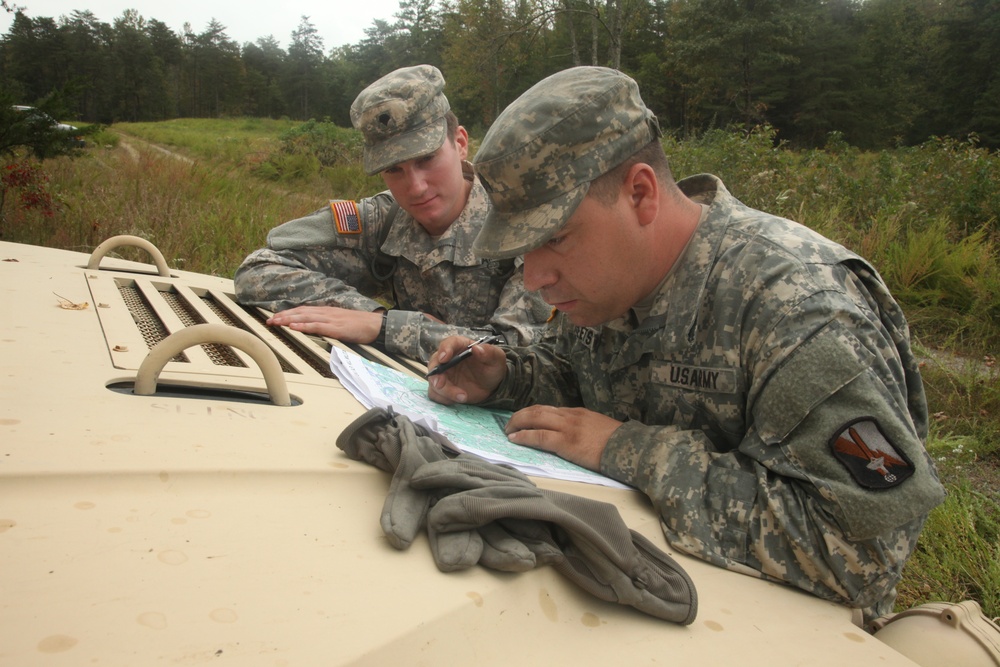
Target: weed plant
x,y
927,217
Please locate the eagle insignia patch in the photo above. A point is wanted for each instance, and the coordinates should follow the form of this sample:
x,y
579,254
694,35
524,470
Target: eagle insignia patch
x,y
869,456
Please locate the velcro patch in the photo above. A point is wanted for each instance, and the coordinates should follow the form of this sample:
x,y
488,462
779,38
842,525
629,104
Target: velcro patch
x,y
869,456
345,216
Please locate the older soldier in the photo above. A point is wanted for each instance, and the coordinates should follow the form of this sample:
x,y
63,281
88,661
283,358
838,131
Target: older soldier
x,y
321,273
753,378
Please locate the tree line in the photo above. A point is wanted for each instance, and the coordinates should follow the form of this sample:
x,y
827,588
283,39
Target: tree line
x,y
873,73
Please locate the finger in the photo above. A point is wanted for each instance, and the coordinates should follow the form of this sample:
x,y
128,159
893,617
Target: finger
x,y
290,312
536,417
448,348
546,440
538,427
441,390
286,317
307,327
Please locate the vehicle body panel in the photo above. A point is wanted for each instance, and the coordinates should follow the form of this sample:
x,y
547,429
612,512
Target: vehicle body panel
x,y
146,530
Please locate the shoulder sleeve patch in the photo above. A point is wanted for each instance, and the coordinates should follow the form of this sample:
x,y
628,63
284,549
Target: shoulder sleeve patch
x,y
816,370
869,456
345,216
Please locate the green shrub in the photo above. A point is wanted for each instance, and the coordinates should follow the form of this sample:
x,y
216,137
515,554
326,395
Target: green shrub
x,y
957,179
330,144
288,167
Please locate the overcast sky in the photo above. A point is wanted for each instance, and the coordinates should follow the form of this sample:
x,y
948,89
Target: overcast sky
x,y
338,22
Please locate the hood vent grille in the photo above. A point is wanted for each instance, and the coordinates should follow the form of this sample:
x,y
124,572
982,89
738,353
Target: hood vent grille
x,y
149,325
137,313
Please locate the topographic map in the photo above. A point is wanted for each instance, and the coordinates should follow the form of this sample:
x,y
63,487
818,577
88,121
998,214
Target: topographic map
x,y
468,428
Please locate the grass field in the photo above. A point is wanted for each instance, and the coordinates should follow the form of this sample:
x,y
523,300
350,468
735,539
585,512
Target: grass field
x,y
207,191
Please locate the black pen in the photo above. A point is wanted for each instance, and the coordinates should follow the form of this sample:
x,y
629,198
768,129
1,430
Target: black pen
x,y
464,354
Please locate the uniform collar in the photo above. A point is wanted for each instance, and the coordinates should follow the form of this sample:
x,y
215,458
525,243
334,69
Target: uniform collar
x,y
680,296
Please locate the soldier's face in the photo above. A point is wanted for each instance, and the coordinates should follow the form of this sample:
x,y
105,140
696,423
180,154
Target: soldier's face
x,y
589,270
431,188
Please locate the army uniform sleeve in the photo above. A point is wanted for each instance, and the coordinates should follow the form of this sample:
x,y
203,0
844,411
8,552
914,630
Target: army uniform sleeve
x,y
312,261
521,319
539,374
522,316
829,486
417,336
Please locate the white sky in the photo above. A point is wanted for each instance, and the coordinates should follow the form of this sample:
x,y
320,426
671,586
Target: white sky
x,y
338,22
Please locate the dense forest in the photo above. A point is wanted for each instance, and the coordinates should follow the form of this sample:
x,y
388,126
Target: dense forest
x,y
872,73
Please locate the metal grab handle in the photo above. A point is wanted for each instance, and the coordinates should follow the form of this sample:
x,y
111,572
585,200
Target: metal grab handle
x,y
172,345
125,239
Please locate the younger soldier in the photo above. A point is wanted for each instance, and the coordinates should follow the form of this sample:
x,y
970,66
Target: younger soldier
x,y
413,244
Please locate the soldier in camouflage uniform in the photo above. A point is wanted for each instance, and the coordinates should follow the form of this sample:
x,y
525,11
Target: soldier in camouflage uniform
x,y
750,376
413,244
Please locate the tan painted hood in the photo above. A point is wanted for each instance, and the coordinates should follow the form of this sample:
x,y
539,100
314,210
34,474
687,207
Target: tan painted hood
x,y
177,529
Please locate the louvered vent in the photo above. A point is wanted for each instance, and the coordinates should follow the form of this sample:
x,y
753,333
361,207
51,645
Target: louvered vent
x,y
320,367
153,331
138,312
158,307
150,327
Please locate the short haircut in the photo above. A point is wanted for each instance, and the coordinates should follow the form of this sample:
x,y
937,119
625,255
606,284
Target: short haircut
x,y
605,187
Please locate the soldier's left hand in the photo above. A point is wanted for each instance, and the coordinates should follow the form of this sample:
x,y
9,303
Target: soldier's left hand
x,y
575,434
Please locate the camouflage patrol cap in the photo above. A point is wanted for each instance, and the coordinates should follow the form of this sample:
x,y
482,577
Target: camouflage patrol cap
x,y
539,157
402,116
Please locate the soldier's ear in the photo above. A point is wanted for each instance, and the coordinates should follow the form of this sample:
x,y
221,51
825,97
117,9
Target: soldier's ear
x,y
462,142
642,191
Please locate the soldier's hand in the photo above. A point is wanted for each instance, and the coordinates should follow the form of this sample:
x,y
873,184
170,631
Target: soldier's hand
x,y
349,326
472,380
575,434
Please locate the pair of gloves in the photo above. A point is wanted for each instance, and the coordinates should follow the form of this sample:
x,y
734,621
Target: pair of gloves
x,y
475,511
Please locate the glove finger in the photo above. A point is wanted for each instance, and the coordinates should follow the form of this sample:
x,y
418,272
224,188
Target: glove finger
x,y
475,508
457,550
405,509
404,513
359,440
503,552
536,536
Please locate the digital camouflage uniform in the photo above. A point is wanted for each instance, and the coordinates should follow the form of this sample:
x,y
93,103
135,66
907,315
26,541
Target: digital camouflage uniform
x,y
764,345
308,262
329,258
773,410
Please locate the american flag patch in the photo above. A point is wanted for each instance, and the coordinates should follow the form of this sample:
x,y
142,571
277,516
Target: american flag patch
x,y
345,215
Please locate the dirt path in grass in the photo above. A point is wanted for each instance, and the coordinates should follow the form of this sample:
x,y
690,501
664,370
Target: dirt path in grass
x,y
127,145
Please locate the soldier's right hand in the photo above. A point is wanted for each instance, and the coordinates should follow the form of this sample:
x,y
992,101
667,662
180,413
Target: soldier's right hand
x,y
472,380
